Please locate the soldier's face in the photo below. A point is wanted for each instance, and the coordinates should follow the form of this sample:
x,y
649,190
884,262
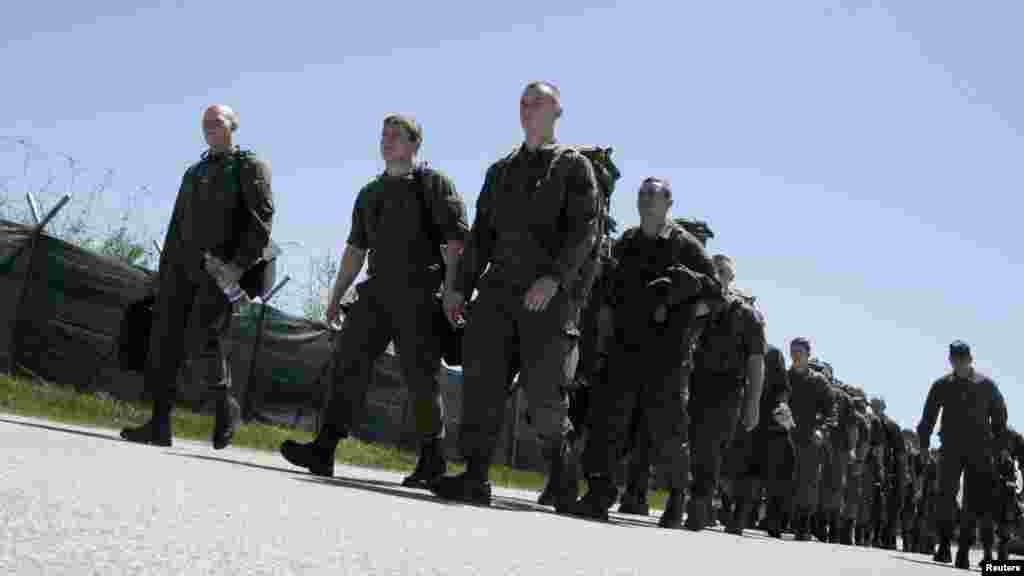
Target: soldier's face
x,y
961,363
799,356
538,109
724,272
395,144
216,128
652,201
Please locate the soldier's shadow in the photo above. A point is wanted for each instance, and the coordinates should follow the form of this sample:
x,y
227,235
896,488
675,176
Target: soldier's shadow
x,y
395,489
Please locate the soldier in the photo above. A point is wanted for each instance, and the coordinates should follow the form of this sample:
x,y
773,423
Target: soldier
x,y
765,455
839,450
727,378
218,235
893,455
852,496
872,481
930,462
536,225
912,491
1005,506
814,409
399,222
661,272
973,430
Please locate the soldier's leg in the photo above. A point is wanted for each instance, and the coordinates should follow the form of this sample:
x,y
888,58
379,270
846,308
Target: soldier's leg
x,y
364,337
949,484
489,350
746,480
171,312
806,495
549,345
612,404
419,352
715,411
634,499
977,501
211,320
665,401
851,504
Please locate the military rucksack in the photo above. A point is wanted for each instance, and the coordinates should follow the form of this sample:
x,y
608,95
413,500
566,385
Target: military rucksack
x,y
698,228
721,350
606,174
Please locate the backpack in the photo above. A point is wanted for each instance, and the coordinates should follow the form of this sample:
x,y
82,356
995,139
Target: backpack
x,y
721,351
698,228
606,174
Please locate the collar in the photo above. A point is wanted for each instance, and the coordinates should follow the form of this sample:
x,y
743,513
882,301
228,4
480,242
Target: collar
x,y
664,233
210,155
546,147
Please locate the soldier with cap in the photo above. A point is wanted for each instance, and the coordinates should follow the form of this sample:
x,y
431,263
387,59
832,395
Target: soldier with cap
x,y
814,409
535,228
218,236
973,432
726,387
659,286
399,222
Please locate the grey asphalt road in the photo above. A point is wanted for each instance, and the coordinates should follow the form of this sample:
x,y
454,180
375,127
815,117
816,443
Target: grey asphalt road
x,y
77,500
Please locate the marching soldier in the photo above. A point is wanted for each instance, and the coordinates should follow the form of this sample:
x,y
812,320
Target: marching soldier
x,y
218,236
399,222
893,455
536,225
814,409
839,451
658,285
973,430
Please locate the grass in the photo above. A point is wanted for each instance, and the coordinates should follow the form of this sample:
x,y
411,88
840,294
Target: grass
x,y
64,404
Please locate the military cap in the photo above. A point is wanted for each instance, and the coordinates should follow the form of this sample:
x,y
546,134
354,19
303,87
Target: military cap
x,y
407,122
959,348
801,342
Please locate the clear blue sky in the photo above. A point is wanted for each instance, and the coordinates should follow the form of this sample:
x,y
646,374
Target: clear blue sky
x,y
862,164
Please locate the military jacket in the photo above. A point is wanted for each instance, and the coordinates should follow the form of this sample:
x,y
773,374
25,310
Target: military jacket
x,y
973,411
813,404
732,335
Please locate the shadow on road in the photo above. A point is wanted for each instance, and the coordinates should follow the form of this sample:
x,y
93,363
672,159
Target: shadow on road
x,y
111,436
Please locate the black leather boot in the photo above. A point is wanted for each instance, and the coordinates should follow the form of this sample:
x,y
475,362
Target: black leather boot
x,y
156,431
600,496
672,516
316,456
430,466
943,554
634,501
470,487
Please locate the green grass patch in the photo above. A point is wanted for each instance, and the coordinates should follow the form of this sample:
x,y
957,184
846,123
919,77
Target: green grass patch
x,y
64,404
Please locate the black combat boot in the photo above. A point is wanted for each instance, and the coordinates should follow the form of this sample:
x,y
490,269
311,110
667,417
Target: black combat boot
x,y
316,456
600,497
565,477
846,532
835,532
963,558
156,431
802,527
908,542
943,554
986,556
672,516
470,487
228,417
1004,549
738,522
697,510
634,501
430,466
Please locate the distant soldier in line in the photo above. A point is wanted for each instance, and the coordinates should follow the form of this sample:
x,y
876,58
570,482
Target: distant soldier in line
x,y
399,222
726,386
814,409
912,492
219,231
839,450
872,488
973,431
661,283
853,498
893,456
1006,506
535,227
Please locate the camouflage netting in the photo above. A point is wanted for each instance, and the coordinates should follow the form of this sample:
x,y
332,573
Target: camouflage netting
x,y
69,321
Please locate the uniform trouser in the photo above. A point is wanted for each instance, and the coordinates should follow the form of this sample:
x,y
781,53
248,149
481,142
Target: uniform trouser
x,y
639,469
834,467
869,494
764,460
190,319
381,314
893,504
714,411
654,379
500,335
976,466
852,493
808,477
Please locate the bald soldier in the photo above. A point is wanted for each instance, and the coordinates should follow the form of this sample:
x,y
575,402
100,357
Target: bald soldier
x,y
535,226
399,223
219,230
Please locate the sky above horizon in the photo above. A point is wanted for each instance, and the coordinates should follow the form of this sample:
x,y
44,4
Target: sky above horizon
x,y
860,161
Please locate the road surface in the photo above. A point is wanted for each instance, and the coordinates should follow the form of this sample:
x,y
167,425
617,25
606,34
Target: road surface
x,y
79,500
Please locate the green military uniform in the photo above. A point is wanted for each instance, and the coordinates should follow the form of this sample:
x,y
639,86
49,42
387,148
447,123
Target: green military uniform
x,y
396,302
834,468
662,350
224,207
814,410
853,496
536,217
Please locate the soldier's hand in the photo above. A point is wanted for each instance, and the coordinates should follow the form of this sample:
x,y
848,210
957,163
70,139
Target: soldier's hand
x,y
853,454
540,294
784,417
454,306
660,314
751,415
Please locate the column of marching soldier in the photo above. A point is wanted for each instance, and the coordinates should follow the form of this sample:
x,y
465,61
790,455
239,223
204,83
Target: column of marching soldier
x,y
639,349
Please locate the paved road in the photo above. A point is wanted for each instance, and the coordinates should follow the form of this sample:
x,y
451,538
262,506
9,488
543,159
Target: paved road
x,y
79,501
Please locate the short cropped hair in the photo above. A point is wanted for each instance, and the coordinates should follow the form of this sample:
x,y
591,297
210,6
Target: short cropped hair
x,y
662,183
719,259
545,84
408,123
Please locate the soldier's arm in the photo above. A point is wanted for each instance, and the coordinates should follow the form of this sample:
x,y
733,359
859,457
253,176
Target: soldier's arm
x,y
932,406
449,214
756,347
581,220
480,244
998,417
171,237
254,235
783,389
356,247
828,405
693,275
